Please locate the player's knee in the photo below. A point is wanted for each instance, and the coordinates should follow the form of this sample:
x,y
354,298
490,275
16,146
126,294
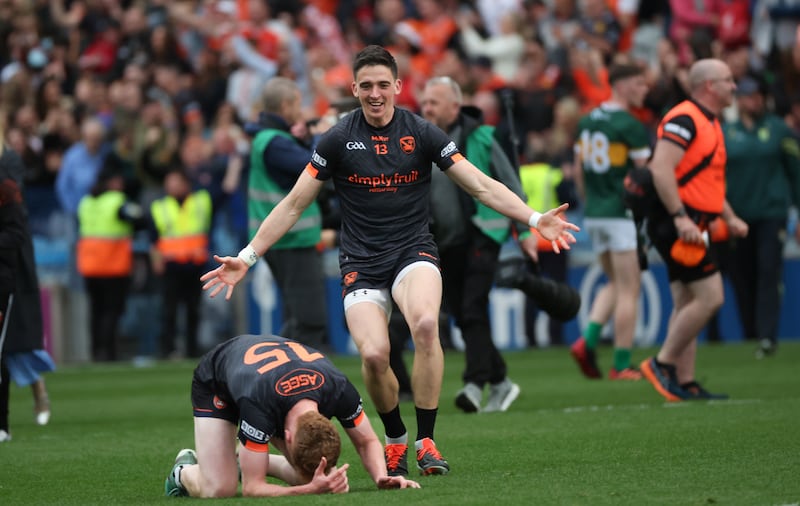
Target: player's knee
x,y
715,300
376,361
425,330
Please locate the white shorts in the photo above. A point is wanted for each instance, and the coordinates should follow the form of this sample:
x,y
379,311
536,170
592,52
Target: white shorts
x,y
611,234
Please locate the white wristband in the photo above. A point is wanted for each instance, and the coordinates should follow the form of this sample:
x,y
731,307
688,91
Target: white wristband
x,y
533,221
248,255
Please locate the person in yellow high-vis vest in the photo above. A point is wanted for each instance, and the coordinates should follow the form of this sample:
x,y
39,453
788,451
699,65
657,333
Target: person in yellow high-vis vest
x,y
181,222
106,223
544,183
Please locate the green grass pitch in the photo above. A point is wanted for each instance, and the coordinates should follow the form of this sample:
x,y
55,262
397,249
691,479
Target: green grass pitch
x,y
566,440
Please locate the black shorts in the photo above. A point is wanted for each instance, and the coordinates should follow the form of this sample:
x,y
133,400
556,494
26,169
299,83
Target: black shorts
x,y
380,272
209,398
663,234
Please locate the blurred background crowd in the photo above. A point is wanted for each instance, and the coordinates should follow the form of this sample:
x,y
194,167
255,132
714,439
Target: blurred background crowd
x,y
144,87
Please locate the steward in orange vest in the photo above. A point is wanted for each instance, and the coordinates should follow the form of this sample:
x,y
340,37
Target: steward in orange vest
x,y
181,223
106,223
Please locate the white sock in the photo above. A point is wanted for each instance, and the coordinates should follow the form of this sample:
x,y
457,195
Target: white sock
x,y
418,444
176,475
402,440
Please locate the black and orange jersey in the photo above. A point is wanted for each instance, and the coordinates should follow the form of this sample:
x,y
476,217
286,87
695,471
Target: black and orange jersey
x,y
265,376
382,177
698,132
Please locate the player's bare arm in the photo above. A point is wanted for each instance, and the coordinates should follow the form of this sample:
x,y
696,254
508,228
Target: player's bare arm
x,y
280,468
255,469
497,196
370,450
737,226
274,226
666,157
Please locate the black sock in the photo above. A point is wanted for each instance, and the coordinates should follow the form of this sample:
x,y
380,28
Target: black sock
x,y
426,419
393,423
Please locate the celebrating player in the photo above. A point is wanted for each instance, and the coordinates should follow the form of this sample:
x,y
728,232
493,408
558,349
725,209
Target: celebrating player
x,y
379,158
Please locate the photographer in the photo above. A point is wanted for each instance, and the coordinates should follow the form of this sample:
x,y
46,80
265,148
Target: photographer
x,y
469,236
278,157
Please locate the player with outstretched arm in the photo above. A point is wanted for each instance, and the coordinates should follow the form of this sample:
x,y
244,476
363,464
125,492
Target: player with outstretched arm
x,y
380,160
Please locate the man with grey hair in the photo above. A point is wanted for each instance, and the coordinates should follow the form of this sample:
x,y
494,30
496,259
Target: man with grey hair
x,y
81,165
469,236
688,168
278,156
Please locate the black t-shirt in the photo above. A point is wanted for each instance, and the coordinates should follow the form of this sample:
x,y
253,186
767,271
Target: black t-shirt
x,y
382,177
265,376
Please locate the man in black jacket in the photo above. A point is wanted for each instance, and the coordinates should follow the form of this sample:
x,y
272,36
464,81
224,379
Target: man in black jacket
x,y
469,236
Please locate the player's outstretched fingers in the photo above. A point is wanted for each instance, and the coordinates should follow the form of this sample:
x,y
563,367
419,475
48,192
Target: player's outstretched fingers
x,y
388,482
339,481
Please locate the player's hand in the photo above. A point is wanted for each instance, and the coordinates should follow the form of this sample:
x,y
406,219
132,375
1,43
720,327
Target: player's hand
x,y
335,482
387,482
230,272
557,230
688,231
737,227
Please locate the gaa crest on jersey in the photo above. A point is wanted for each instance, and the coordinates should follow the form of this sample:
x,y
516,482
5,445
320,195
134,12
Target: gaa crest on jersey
x,y
408,144
299,381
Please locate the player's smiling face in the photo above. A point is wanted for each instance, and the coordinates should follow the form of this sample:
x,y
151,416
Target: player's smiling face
x,y
375,87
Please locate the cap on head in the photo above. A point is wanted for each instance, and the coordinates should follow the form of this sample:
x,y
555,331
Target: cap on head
x,y
749,86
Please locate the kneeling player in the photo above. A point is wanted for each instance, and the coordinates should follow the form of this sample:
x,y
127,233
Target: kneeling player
x,y
270,390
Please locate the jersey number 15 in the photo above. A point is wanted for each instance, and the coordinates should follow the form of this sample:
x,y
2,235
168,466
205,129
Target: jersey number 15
x,y
272,357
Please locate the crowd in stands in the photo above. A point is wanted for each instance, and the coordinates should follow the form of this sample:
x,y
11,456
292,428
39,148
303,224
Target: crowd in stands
x,y
146,86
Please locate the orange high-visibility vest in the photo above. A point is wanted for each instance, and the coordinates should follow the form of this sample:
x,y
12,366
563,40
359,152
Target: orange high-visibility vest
x,y
183,227
706,190
105,247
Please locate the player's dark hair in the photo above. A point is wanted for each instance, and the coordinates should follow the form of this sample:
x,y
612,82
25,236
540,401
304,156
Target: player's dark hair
x,y
620,71
374,55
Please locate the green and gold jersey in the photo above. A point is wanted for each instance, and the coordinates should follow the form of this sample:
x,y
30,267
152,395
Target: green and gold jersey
x,y
609,139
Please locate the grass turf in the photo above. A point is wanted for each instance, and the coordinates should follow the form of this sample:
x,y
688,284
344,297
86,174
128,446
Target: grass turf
x,y
115,431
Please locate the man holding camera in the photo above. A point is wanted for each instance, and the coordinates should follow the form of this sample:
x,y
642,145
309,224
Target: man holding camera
x,y
469,236
278,157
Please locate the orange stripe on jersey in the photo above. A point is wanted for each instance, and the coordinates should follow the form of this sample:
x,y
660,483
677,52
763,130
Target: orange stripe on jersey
x,y
256,447
457,157
677,139
311,170
359,419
